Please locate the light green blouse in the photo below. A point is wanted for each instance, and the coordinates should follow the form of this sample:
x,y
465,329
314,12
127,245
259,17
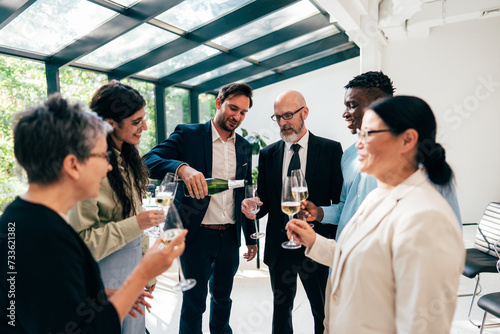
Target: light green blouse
x,y
100,223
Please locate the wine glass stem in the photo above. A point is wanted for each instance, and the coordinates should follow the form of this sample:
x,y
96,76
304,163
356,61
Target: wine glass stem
x,y
256,228
290,217
181,273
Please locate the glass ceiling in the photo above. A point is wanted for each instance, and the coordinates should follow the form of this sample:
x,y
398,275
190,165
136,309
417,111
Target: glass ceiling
x,y
199,44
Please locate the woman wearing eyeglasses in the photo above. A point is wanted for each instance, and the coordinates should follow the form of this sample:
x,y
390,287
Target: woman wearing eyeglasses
x,y
50,281
396,266
112,224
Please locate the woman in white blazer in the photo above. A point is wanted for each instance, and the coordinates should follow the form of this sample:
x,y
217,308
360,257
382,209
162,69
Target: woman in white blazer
x,y
396,266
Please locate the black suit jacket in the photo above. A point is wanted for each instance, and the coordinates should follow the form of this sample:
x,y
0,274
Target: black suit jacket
x,y
192,144
324,181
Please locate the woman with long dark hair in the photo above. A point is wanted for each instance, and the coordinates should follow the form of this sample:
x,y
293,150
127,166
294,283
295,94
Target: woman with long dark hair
x,y
112,225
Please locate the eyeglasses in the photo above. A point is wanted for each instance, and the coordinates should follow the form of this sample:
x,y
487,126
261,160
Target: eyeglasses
x,y
104,155
287,116
363,134
144,119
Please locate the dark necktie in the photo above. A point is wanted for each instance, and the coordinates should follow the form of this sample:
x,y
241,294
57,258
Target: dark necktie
x,y
295,161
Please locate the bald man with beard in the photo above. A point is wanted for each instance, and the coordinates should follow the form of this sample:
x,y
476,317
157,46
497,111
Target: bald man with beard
x,y
320,163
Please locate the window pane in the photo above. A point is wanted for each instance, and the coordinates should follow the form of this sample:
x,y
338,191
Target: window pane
x,y
192,14
22,84
147,90
316,56
185,59
256,77
206,107
176,108
49,25
234,66
295,43
128,46
268,24
78,84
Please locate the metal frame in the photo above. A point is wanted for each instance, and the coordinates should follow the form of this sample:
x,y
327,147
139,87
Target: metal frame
x,y
145,11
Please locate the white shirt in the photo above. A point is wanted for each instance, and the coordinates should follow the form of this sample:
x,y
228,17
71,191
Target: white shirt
x,y
221,207
287,157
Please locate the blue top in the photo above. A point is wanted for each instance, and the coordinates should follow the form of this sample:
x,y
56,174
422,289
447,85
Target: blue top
x,y
357,185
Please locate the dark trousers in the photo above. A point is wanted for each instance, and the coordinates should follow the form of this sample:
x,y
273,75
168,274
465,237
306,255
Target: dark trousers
x,y
212,258
284,285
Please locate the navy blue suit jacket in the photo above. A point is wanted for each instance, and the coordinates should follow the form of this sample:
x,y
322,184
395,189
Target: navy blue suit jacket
x,y
192,144
324,181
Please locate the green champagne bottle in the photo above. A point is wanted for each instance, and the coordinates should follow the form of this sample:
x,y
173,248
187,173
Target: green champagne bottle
x,y
216,186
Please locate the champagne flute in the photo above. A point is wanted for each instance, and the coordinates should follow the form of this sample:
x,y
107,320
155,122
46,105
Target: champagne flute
x,y
171,229
251,193
164,196
301,188
290,205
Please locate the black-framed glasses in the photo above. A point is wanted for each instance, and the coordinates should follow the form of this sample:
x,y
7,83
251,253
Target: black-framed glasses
x,y
286,116
104,155
363,134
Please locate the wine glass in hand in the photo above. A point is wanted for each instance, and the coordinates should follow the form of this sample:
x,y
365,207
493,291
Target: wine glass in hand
x,y
253,204
301,188
164,196
171,229
290,205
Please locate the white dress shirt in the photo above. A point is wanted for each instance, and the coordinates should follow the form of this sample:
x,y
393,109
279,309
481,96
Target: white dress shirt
x,y
287,157
221,207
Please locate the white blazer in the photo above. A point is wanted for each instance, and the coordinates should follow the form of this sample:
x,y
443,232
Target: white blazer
x,y
398,270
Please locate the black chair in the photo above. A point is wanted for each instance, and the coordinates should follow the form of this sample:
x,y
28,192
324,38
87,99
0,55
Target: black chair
x,y
490,303
483,257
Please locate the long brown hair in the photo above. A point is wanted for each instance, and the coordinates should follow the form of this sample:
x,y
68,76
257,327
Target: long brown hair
x,y
118,101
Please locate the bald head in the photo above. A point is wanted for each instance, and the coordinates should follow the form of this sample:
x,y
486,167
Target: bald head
x,y
290,97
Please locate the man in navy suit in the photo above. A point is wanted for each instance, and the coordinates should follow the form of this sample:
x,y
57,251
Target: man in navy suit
x,y
320,163
196,152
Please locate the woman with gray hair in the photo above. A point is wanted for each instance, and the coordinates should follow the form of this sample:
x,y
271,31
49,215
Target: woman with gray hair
x,y
51,281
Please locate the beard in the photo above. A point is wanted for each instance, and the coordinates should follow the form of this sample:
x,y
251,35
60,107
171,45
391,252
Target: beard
x,y
224,124
294,136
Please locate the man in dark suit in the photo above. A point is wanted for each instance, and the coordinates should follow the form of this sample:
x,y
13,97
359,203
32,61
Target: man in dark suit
x,y
196,152
320,162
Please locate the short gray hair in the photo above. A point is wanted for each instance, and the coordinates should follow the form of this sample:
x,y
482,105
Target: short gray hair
x,y
45,134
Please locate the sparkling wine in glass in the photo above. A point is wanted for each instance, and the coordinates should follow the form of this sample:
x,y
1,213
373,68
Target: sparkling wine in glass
x,y
171,229
164,196
300,188
251,194
290,205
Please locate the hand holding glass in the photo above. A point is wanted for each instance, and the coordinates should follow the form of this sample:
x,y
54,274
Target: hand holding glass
x,y
171,229
164,196
301,188
253,204
290,205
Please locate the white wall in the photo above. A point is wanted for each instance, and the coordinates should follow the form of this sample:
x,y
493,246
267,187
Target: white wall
x,y
456,70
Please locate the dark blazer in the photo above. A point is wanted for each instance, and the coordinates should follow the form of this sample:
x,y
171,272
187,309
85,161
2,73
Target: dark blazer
x,y
192,144
324,181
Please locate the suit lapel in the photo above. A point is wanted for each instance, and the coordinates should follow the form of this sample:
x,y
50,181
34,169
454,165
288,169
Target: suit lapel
x,y
371,222
207,145
277,166
361,232
312,159
240,158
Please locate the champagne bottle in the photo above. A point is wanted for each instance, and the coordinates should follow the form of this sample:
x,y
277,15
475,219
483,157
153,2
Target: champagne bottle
x,y
216,186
